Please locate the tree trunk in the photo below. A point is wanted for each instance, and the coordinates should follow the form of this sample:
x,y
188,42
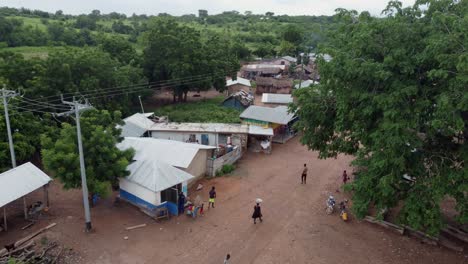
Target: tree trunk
x,y
185,96
174,97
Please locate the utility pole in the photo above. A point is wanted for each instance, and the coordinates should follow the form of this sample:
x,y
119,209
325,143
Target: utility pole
x,y
141,104
302,70
76,108
5,95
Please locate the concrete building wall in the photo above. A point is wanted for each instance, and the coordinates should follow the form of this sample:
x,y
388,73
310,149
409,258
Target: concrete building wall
x,y
184,136
140,192
198,166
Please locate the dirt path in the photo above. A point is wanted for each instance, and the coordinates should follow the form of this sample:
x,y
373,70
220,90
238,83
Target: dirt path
x,y
295,228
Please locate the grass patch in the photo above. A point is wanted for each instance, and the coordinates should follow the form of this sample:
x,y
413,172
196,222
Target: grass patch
x,y
32,21
32,52
206,111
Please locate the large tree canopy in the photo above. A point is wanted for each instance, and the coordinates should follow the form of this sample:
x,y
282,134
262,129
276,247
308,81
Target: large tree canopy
x,y
174,51
105,163
395,95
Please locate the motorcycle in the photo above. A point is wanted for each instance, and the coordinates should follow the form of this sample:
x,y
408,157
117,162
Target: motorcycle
x,y
330,205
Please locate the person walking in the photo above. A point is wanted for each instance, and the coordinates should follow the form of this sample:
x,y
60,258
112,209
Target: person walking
x,y
181,203
345,177
227,258
257,213
304,175
212,194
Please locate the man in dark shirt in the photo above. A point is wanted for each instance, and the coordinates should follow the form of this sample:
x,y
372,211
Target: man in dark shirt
x,y
304,175
211,201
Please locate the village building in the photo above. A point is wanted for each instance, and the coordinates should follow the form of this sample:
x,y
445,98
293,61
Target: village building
x,y
240,84
273,85
17,183
136,125
239,100
278,119
153,184
276,99
251,71
191,158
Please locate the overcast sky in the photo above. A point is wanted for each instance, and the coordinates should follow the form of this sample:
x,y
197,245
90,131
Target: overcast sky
x,y
180,7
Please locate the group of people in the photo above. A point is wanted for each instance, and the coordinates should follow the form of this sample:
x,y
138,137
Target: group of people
x,y
198,206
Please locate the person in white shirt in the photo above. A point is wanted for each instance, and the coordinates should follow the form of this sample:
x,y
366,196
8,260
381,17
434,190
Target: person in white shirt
x,y
226,260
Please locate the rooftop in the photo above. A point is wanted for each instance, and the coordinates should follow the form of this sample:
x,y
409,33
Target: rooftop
x,y
269,98
136,125
175,153
277,115
239,80
18,182
305,84
202,127
155,175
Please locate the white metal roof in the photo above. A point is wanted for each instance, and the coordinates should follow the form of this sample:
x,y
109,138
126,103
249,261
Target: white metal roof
x,y
202,127
305,84
289,58
136,125
20,181
155,175
239,80
263,66
269,98
277,115
175,153
257,130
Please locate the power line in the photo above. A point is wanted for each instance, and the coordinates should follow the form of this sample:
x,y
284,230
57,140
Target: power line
x,y
182,81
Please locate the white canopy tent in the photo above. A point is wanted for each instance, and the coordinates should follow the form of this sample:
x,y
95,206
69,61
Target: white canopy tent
x,y
20,181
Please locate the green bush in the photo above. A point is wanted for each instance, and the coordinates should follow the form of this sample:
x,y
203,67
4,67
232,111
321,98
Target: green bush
x,y
226,169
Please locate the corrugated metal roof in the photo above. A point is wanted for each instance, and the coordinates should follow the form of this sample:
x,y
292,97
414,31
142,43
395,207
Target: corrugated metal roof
x,y
305,84
202,127
277,115
175,153
20,181
289,58
239,80
257,130
155,175
243,97
135,125
269,98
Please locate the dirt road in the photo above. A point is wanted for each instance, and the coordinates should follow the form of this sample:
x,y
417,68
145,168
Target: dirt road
x,y
295,228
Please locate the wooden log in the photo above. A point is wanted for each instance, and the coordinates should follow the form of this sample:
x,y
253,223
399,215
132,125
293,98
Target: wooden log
x,y
26,239
400,230
425,238
445,242
456,233
28,245
135,227
28,225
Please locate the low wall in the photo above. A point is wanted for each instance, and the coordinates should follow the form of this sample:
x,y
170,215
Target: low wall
x,y
213,165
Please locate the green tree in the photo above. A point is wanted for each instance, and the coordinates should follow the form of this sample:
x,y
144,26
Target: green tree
x,y
395,96
174,51
105,163
119,48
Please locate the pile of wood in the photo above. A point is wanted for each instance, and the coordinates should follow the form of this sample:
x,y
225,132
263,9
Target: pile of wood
x,y
28,253
25,250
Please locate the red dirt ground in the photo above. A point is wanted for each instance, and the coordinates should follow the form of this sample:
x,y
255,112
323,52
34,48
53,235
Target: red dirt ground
x,y
295,227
